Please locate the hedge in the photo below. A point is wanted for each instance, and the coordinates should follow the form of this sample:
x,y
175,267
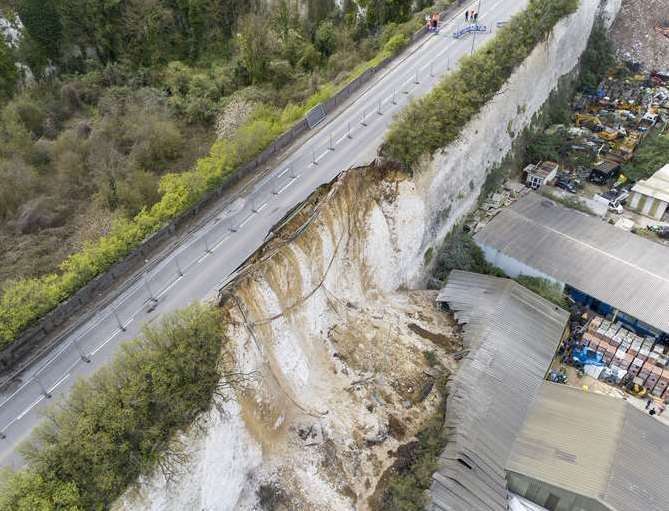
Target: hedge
x,y
25,301
437,119
118,424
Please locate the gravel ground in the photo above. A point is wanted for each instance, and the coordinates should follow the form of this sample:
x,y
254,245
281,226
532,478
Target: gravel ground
x,y
634,33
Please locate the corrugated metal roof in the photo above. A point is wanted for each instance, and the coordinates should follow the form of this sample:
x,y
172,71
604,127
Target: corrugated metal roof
x,y
597,446
512,335
615,266
656,186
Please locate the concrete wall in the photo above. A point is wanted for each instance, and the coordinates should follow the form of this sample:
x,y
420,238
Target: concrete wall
x,y
452,180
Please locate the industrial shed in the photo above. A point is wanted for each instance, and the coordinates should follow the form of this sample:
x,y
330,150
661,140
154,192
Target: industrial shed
x,y
580,451
619,273
513,433
650,196
512,335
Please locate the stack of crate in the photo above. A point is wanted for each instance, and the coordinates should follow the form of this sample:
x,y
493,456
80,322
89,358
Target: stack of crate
x,y
641,357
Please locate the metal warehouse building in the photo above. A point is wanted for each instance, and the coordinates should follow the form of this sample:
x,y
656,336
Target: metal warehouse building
x,y
510,431
512,335
583,451
615,272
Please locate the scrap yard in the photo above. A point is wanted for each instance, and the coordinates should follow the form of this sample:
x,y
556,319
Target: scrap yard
x,y
597,151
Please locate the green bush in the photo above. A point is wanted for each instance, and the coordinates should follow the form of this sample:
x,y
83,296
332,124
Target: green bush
x,y
652,155
436,119
118,424
459,251
545,288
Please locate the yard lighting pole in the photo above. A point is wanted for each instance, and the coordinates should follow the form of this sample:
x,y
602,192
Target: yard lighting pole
x,y
45,393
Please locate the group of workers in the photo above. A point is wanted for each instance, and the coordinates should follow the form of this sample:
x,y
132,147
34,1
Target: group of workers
x,y
471,16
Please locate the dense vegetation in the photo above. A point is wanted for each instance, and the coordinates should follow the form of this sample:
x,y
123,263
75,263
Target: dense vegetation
x,y
652,155
459,251
94,154
119,423
436,119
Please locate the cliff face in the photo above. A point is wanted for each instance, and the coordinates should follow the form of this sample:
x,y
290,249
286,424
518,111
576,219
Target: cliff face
x,y
323,341
331,375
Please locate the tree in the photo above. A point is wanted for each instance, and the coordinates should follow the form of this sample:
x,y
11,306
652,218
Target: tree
x,y
8,73
29,491
326,38
254,40
43,24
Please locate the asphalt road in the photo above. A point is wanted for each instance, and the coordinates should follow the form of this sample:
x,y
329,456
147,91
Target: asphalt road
x,y
206,257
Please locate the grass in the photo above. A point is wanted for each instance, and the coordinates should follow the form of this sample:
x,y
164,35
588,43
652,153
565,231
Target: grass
x,y
568,201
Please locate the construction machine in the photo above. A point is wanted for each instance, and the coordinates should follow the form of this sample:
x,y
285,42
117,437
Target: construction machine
x,y
609,134
592,122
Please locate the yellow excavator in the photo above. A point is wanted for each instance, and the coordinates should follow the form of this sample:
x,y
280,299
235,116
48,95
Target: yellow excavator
x,y
591,122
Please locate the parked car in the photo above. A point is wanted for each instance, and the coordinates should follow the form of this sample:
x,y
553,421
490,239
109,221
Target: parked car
x,y
661,230
566,184
614,199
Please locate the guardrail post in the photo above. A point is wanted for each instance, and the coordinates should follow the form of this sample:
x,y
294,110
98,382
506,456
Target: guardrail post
x,y
118,320
152,297
45,393
83,356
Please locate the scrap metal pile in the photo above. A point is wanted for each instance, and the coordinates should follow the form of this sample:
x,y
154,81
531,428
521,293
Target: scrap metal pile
x,y
610,124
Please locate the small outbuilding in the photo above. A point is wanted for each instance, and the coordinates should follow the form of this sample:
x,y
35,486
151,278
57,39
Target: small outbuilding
x,y
650,197
537,175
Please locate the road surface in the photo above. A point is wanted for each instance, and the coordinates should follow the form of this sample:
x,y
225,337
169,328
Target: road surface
x,y
205,258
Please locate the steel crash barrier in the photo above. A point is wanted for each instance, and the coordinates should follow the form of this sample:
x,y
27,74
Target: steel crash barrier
x,y
469,28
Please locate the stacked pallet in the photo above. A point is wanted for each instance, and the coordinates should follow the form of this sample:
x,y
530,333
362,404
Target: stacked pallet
x,y
624,350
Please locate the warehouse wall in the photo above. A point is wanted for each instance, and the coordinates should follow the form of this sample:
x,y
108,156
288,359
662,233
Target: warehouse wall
x,y
512,267
549,496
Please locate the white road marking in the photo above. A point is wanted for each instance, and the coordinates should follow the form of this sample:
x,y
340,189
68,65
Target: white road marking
x,y
113,335
223,239
286,186
243,222
27,410
59,382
